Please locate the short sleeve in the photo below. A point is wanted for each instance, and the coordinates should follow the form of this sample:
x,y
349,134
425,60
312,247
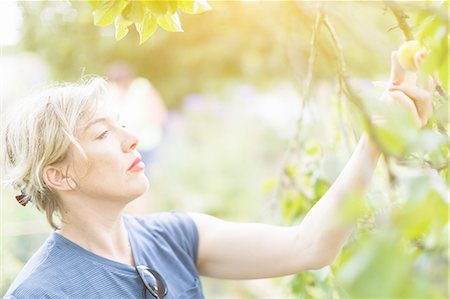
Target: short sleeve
x,y
182,229
176,229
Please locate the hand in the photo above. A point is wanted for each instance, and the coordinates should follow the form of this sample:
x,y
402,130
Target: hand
x,y
404,90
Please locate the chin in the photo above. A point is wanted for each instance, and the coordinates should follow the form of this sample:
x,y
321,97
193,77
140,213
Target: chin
x,y
144,185
137,187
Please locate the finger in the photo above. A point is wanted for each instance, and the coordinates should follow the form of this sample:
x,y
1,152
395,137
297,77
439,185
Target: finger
x,y
402,99
397,75
410,78
421,97
416,93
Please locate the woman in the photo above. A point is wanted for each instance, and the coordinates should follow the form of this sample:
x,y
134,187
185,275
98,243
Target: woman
x,y
70,156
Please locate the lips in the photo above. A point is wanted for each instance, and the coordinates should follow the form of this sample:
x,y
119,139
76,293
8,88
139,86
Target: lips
x,y
137,165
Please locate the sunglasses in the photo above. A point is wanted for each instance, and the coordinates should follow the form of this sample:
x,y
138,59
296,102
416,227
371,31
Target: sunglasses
x,y
153,281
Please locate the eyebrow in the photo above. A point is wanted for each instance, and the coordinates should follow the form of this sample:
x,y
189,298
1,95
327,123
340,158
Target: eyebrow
x,y
98,120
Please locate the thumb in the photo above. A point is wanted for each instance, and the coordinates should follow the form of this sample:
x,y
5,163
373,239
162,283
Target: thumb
x,y
397,72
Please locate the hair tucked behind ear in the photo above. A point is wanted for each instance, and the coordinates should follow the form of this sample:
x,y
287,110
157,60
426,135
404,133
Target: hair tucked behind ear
x,y
38,132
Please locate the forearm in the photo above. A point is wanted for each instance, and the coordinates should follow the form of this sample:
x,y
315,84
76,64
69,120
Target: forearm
x,y
323,226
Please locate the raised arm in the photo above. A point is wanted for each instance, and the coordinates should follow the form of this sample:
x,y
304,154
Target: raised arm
x,y
248,251
251,250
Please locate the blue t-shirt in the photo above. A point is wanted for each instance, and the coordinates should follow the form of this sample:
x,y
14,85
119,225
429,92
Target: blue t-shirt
x,y
166,242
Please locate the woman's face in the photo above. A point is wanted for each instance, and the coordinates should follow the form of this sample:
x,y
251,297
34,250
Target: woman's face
x,y
113,170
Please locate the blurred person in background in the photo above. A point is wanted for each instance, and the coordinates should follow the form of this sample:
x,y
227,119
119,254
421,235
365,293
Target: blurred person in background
x,y
67,153
143,112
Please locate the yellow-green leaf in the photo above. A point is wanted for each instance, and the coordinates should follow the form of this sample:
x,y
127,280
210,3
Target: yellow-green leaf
x,y
134,11
121,27
170,22
107,12
146,28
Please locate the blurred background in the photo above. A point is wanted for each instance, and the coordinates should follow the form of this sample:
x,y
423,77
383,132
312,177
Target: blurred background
x,y
228,90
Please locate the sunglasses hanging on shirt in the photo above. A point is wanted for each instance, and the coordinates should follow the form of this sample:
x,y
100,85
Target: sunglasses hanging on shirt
x,y
153,281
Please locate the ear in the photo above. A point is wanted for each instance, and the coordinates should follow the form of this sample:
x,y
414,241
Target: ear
x,y
55,178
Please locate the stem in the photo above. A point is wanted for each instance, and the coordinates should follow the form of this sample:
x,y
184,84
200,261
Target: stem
x,y
296,141
351,95
441,90
401,17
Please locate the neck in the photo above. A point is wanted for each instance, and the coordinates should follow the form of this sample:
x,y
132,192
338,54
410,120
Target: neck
x,y
97,228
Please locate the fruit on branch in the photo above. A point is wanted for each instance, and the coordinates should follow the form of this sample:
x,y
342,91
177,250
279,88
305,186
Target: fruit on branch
x,y
407,55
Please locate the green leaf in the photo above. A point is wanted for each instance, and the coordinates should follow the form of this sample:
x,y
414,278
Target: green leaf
x,y
398,130
443,73
427,141
135,11
428,28
291,171
170,22
146,28
320,187
445,174
392,142
441,113
423,208
432,30
293,205
378,270
121,27
415,187
269,185
107,12
312,148
194,7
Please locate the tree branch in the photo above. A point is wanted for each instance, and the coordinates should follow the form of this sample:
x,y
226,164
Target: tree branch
x,y
401,17
353,97
295,142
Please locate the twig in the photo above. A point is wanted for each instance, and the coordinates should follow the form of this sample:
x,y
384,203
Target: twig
x,y
392,28
296,141
441,90
401,17
429,163
352,97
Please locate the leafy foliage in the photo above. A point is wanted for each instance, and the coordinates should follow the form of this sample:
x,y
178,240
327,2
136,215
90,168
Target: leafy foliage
x,y
145,15
400,248
432,30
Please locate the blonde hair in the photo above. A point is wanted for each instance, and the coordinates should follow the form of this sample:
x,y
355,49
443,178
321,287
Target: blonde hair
x,y
39,131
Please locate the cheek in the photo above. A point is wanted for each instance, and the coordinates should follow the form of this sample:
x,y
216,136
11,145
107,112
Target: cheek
x,y
79,169
105,165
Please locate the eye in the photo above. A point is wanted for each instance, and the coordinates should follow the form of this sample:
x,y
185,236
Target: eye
x,y
103,135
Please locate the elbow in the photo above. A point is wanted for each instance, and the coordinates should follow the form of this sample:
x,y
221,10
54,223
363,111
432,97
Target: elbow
x,y
321,263
323,257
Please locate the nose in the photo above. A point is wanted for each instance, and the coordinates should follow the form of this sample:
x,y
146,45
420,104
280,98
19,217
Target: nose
x,y
130,141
